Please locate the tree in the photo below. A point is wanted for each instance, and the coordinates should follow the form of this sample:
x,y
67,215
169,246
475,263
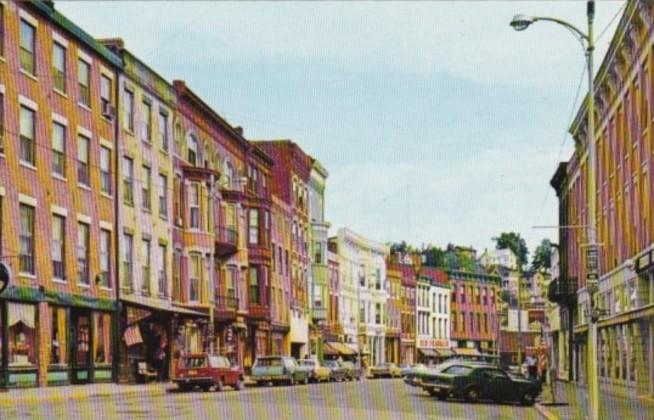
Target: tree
x,y
542,256
434,256
515,243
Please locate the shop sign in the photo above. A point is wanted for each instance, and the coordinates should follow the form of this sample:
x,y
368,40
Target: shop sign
x,y
644,262
592,264
432,343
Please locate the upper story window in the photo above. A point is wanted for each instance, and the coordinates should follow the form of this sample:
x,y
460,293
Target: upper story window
x,y
83,253
105,96
2,123
83,161
128,246
58,149
128,110
105,255
2,29
163,195
105,170
192,150
146,185
27,132
27,47
59,66
194,278
84,82
253,231
26,260
163,131
58,246
194,206
147,120
146,261
128,181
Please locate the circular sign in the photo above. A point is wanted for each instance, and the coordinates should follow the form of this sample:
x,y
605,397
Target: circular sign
x,y
5,276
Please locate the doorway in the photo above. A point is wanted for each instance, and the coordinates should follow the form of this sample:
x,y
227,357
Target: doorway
x,y
81,346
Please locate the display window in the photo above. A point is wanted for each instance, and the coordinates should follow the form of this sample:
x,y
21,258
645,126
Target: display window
x,y
21,320
102,354
58,337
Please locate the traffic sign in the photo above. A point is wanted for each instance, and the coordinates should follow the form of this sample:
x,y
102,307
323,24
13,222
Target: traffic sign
x,y
592,259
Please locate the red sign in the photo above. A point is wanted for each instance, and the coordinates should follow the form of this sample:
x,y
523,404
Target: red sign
x,y
433,343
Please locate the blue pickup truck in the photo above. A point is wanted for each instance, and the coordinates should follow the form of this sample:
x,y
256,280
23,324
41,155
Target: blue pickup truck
x,y
279,369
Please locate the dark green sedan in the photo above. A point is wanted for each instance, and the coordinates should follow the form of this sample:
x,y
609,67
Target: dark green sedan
x,y
474,382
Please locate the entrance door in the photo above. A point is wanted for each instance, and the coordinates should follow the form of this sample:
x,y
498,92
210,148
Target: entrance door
x,y
81,346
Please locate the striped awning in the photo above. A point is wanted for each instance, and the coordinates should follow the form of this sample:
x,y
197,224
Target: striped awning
x,y
465,351
340,348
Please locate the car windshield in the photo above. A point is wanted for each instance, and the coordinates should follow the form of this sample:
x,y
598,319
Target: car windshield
x,y
458,370
194,362
306,363
331,363
269,362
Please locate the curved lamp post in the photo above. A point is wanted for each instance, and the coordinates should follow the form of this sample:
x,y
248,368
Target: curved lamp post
x,y
521,22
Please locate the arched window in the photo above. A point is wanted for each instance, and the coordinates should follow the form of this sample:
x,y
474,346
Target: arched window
x,y
207,156
178,139
216,161
192,145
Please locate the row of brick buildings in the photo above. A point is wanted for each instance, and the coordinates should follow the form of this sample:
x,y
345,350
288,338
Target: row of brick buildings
x,y
140,225
623,189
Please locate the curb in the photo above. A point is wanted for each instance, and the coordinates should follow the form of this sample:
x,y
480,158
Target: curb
x,y
547,414
81,395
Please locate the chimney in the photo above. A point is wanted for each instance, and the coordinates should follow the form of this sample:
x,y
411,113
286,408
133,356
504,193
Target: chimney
x,y
239,130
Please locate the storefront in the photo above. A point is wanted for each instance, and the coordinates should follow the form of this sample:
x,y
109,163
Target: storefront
x,y
49,338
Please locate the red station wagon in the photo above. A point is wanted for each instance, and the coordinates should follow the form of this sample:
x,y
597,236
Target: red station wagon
x,y
207,371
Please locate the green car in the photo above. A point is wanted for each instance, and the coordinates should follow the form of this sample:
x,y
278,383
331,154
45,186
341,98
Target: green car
x,y
279,369
475,381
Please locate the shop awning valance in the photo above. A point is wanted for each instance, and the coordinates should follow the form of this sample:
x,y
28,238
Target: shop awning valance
x,y
444,352
340,348
428,352
18,312
328,350
159,304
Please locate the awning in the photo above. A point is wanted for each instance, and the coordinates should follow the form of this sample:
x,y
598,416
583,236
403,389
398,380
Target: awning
x,y
158,304
340,348
444,352
428,352
328,350
465,351
355,348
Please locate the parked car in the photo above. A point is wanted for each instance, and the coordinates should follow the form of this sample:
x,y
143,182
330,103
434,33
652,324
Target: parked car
x,y
385,370
337,372
207,371
317,372
277,369
415,378
352,371
410,373
475,381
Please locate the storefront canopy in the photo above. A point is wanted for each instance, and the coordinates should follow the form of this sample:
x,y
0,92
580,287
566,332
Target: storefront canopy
x,y
444,352
328,350
340,348
355,348
428,352
159,304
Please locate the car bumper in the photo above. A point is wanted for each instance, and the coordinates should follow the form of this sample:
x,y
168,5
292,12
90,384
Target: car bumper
x,y
271,378
193,381
436,387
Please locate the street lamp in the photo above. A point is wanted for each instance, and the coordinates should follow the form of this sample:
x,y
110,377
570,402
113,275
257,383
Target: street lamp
x,y
520,23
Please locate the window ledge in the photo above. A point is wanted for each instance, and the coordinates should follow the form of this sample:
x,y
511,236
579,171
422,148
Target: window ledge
x,y
84,286
59,177
27,275
58,280
105,195
27,165
60,93
28,74
85,107
84,187
145,210
128,131
106,289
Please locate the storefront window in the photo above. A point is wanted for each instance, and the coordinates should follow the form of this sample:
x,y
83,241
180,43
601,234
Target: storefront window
x,y
82,346
58,343
21,319
102,338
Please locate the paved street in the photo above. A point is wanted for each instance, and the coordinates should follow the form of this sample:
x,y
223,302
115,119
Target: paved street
x,y
369,399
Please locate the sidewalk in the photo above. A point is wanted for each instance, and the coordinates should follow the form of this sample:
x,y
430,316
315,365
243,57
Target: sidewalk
x,y
572,403
78,392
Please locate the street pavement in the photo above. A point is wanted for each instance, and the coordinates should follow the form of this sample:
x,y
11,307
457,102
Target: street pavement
x,y
572,403
377,399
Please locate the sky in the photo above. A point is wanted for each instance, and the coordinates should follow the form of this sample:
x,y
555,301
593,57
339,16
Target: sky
x,y
438,123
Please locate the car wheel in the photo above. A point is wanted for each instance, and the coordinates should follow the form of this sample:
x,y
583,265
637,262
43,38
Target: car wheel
x,y
306,380
528,398
291,382
432,392
206,388
239,384
442,396
184,387
472,394
219,385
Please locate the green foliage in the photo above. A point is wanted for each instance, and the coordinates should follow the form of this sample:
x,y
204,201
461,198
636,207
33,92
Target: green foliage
x,y
542,256
515,243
